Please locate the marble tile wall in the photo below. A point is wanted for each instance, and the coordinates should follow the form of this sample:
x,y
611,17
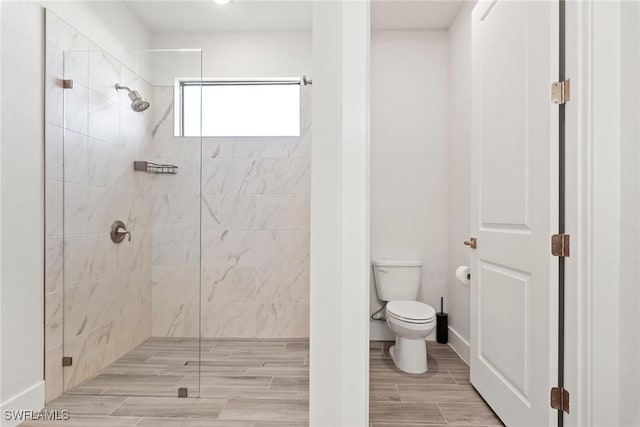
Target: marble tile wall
x,y
220,250
98,293
254,242
175,201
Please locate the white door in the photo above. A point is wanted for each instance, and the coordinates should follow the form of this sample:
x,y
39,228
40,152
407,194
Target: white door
x,y
514,208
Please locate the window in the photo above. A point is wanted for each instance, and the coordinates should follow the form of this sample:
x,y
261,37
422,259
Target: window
x,y
238,108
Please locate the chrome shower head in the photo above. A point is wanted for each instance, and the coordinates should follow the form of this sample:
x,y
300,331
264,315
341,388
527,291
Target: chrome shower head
x,y
138,103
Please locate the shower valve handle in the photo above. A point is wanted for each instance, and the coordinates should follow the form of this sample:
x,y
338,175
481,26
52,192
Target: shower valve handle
x,y
122,231
119,232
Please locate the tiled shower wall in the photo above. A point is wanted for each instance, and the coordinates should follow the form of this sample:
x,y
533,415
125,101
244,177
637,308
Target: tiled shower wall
x,y
233,263
98,295
255,232
176,226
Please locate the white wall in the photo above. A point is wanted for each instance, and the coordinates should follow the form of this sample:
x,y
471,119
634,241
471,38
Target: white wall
x,y
409,157
22,237
269,54
339,368
630,215
1,26
458,176
604,179
603,339
111,25
22,202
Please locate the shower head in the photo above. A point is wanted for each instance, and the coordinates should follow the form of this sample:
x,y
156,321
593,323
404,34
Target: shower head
x,y
138,103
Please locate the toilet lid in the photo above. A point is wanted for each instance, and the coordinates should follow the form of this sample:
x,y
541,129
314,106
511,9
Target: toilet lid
x,y
411,310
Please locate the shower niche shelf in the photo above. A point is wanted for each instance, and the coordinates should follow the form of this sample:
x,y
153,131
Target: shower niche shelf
x,y
154,168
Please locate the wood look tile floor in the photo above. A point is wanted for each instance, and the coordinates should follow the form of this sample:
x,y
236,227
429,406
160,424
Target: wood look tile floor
x,y
260,383
443,395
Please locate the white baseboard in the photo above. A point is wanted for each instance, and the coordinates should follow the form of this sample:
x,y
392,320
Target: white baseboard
x,y
30,399
459,345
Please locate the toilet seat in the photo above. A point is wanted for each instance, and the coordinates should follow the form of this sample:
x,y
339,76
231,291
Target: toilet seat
x,y
411,311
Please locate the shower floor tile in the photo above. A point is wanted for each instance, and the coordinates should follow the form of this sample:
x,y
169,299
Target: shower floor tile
x,y
230,383
253,383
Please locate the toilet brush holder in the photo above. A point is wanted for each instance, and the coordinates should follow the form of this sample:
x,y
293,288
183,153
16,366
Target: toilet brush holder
x,y
442,328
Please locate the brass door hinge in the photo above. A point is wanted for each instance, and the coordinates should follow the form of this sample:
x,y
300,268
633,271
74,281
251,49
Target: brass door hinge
x,y
561,92
560,245
67,84
67,361
560,399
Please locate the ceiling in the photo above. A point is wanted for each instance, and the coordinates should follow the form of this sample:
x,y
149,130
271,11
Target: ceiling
x,y
413,15
266,15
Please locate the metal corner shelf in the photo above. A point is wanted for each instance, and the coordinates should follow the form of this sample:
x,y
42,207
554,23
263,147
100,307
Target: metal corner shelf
x,y
154,168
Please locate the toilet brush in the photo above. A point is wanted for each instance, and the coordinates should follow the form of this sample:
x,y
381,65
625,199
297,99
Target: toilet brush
x,y
442,324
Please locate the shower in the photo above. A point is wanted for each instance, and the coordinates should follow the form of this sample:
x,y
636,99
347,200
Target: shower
x,y
138,103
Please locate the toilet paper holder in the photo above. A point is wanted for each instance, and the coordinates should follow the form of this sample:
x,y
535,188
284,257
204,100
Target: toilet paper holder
x,y
463,274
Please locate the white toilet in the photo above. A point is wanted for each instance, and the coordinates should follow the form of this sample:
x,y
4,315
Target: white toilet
x,y
398,284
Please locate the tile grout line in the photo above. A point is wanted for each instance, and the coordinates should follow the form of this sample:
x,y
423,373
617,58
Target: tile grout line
x,y
444,417
453,378
117,406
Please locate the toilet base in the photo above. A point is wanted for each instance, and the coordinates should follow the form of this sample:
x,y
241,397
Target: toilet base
x,y
410,355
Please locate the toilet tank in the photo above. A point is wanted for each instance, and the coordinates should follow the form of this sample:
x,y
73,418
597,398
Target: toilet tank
x,y
397,280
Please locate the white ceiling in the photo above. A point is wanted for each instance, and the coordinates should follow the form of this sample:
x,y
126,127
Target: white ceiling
x,y
413,15
266,15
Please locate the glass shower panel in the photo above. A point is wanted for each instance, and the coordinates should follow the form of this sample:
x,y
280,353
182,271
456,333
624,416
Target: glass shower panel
x,y
131,218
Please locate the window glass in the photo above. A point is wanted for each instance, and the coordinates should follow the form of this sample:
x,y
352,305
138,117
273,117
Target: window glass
x,y
244,109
